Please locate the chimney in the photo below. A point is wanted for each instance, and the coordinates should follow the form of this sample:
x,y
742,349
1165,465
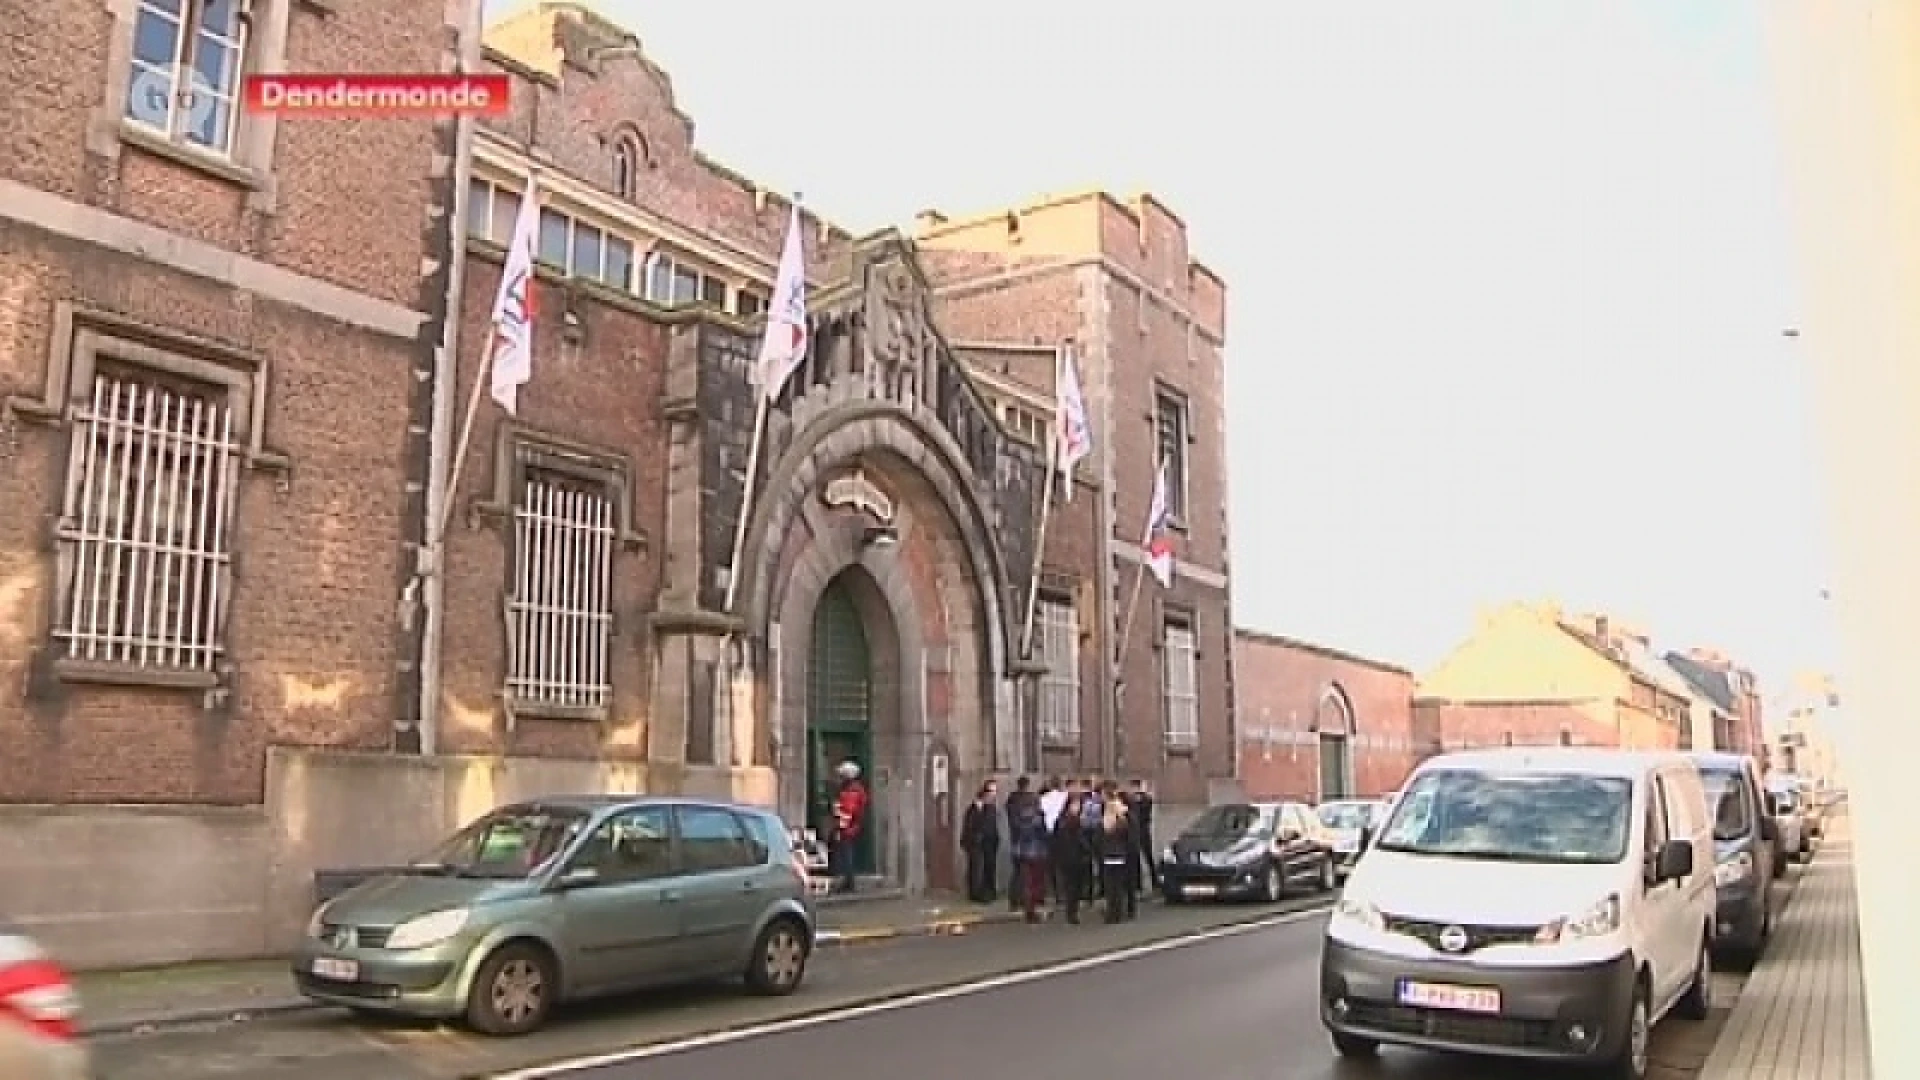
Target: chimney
x,y
1601,628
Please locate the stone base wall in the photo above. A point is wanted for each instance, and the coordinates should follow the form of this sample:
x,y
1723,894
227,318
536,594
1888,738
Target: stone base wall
x,y
130,886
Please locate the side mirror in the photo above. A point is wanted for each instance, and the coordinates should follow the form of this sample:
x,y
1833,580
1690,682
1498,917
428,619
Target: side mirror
x,y
579,877
1675,862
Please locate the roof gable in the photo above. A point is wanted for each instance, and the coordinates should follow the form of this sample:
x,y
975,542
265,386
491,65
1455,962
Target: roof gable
x,y
1707,681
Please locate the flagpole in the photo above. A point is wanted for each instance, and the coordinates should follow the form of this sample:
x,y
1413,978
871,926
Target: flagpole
x,y
466,438
1133,607
1039,550
747,494
765,393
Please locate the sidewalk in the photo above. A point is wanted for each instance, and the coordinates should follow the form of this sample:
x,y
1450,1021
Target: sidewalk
x,y
122,1001
1802,1015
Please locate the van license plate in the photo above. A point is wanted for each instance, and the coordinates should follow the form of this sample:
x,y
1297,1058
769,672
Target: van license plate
x,y
328,967
1473,999
1200,890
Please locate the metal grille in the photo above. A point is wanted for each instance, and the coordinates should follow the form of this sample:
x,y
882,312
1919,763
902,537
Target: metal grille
x,y
150,496
1060,685
1183,699
842,683
560,615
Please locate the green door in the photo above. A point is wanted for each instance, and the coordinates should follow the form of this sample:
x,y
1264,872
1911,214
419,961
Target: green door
x,y
839,709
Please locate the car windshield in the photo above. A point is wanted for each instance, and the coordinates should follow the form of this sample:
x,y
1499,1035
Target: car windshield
x,y
1727,795
1520,817
1230,822
513,843
1346,815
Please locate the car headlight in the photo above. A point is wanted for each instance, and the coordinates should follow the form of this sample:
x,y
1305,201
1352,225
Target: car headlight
x,y
1733,871
428,929
1360,913
318,921
1597,921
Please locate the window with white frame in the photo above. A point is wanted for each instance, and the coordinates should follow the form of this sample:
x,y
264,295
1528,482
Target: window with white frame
x,y
560,600
148,520
748,304
672,282
1172,428
1060,683
1180,664
188,60
565,243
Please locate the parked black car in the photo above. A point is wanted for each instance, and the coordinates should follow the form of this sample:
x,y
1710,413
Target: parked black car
x,y
1248,851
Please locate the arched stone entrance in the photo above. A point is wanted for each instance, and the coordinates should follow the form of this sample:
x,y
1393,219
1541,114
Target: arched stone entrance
x,y
1335,728
875,536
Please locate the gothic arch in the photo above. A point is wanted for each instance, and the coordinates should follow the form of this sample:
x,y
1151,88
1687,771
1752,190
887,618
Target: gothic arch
x,y
1336,729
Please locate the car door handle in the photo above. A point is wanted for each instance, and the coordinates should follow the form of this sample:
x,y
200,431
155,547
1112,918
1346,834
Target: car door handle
x,y
750,886
670,896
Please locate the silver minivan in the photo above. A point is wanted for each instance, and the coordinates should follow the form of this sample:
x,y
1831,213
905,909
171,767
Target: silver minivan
x,y
564,898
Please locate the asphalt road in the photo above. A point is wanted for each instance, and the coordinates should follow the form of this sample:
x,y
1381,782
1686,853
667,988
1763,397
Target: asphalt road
x,y
1240,1007
330,1045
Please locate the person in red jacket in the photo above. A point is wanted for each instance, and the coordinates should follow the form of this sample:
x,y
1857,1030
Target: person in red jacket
x,y
849,819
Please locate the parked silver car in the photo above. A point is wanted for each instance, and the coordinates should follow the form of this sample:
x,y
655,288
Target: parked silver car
x,y
567,898
39,1015
1789,813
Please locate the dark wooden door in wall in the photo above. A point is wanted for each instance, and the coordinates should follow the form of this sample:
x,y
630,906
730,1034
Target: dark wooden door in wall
x,y
839,709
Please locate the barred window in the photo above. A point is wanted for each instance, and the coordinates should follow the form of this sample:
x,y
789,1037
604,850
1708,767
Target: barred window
x,y
560,607
1181,685
150,496
1060,684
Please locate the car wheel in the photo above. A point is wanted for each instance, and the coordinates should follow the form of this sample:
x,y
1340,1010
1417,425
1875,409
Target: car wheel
x,y
513,991
779,959
1329,875
1353,1046
1631,1061
1272,885
1697,1003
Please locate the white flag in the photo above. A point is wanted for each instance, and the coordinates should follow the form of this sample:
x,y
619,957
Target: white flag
x,y
1072,434
785,343
1158,544
512,342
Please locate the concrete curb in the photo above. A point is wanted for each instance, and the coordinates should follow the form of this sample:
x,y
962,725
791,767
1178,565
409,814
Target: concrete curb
x,y
955,926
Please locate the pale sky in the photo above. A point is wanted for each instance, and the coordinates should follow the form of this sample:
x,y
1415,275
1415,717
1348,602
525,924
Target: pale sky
x,y
1507,279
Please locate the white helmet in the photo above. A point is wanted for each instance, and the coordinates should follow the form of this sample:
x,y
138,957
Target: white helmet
x,y
849,770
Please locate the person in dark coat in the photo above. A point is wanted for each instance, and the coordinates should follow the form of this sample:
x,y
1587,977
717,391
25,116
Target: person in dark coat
x,y
1118,853
980,839
1073,855
1140,807
1021,797
1027,834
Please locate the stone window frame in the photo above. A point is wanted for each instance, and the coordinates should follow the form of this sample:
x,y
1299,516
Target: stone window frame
x,y
82,337
517,447
250,163
1185,618
1061,592
1171,400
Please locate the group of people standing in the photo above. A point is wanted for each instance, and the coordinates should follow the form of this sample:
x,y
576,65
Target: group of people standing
x,y
1078,842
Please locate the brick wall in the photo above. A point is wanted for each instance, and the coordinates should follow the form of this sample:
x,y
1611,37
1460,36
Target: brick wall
x,y
311,637
1290,690
1118,279
1460,725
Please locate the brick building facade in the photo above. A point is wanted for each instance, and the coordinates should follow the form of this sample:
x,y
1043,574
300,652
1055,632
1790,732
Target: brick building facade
x,y
1317,723
234,355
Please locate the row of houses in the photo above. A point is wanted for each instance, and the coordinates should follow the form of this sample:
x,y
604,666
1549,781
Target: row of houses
x,y
1317,723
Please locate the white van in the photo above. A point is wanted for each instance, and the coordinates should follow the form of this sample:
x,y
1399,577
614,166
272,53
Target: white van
x,y
1541,903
